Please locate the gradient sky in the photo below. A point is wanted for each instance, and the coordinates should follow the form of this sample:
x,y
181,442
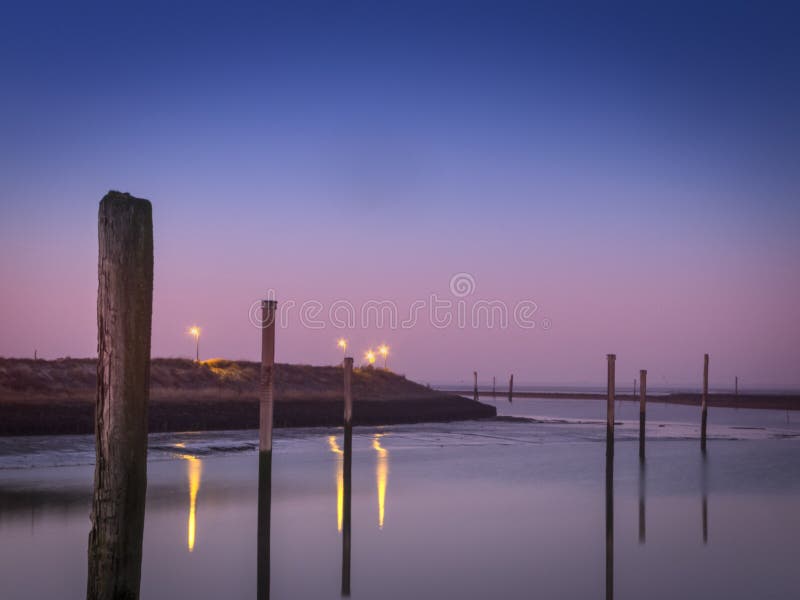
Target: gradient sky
x,y
634,169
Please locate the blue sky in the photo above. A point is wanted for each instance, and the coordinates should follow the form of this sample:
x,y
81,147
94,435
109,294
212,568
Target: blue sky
x,y
633,161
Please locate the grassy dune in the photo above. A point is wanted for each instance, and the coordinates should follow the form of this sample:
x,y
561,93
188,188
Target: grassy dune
x,y
46,397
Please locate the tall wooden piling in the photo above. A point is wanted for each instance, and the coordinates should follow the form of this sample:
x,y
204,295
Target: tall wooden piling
x,y
610,406
475,388
347,475
124,316
265,411
266,387
511,388
494,386
642,410
704,417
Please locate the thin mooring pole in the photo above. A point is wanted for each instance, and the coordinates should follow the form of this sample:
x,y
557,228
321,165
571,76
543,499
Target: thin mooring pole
x,y
475,388
265,411
124,318
736,385
610,406
642,410
704,418
511,388
266,389
494,386
347,475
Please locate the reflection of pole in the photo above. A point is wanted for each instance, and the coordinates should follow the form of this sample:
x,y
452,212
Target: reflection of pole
x,y
511,388
609,527
705,499
347,474
642,410
346,520
704,419
642,515
610,406
264,516
124,316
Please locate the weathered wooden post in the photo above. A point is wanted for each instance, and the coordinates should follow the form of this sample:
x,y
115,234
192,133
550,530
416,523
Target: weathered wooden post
x,y
265,412
347,474
124,315
610,406
704,418
642,410
494,388
736,386
511,388
475,388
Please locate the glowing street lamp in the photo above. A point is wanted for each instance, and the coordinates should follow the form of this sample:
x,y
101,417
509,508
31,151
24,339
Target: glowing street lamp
x,y
369,356
384,352
195,331
342,343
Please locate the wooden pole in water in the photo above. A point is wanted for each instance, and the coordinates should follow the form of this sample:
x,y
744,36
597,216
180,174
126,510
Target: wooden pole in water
x,y
610,406
494,386
704,418
475,388
736,385
265,412
642,410
511,388
347,475
124,316
266,389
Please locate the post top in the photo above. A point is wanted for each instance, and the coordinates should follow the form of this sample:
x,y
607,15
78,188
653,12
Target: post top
x,y
611,356
269,303
348,359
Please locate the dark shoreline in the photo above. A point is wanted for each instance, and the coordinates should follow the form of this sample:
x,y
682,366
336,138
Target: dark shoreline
x,y
718,400
58,397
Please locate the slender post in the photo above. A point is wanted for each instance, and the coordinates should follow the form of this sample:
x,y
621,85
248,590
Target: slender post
x,y
475,388
736,386
347,474
265,410
494,384
704,418
511,388
266,389
610,406
124,317
642,410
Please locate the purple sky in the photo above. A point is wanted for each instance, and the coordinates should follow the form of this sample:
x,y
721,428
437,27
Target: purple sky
x,y
634,175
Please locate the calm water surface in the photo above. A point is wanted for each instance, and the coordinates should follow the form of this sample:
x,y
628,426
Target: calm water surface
x,y
461,510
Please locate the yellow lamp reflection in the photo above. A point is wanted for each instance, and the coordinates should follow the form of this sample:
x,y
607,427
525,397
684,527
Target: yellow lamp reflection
x,y
339,480
194,470
381,476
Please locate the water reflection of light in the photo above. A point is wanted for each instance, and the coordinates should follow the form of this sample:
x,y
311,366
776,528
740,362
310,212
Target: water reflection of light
x,y
194,470
381,476
339,480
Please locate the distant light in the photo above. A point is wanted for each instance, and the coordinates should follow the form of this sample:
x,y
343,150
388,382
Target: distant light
x,y
369,356
342,343
383,350
195,331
